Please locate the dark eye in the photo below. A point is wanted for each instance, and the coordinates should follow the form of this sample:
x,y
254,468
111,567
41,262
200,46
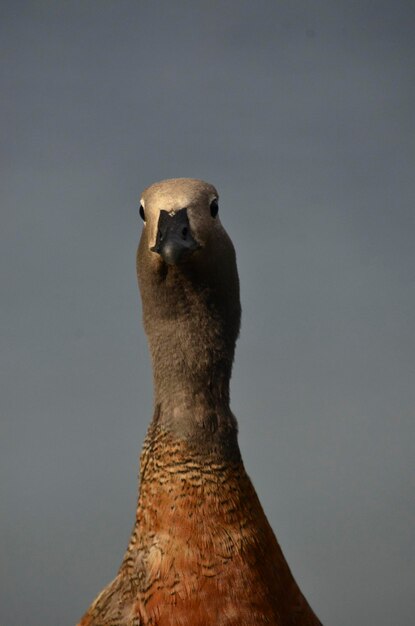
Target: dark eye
x,y
142,214
214,207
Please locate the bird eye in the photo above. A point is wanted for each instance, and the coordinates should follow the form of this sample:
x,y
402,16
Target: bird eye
x,y
142,214
214,207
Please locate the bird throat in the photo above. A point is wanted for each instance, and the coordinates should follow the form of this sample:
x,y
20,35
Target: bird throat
x,y
192,345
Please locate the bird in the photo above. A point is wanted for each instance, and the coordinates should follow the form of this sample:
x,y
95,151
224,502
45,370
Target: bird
x,y
202,551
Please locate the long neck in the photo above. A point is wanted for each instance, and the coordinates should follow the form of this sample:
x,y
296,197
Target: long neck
x,y
192,322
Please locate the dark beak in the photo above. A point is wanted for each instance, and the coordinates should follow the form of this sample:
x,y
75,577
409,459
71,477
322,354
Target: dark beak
x,y
174,238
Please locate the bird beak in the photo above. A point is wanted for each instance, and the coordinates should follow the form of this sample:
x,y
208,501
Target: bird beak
x,y
174,237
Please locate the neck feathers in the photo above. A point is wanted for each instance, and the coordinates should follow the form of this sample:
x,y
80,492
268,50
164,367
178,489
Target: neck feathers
x,y
191,316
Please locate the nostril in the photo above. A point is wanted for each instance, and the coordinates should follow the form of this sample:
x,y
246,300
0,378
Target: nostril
x,y
184,232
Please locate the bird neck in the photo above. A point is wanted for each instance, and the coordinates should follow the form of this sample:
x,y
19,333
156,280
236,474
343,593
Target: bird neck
x,y
191,325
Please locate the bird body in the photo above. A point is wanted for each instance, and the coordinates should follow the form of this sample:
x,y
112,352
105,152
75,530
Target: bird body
x,y
202,551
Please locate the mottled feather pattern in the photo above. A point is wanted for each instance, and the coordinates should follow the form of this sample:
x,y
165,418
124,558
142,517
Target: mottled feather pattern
x,y
200,542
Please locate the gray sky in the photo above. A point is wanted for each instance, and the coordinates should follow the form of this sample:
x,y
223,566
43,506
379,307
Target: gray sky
x,y
302,115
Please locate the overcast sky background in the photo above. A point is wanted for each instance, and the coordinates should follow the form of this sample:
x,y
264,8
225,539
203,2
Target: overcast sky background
x,y
302,115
